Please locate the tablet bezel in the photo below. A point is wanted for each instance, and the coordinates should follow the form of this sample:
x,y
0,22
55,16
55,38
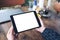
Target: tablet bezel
x,y
14,25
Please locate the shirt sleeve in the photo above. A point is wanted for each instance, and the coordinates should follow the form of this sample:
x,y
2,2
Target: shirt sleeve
x,y
49,34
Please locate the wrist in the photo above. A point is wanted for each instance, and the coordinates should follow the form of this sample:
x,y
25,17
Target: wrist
x,y
41,29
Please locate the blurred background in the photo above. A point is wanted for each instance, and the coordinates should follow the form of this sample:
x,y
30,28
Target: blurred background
x,y
50,17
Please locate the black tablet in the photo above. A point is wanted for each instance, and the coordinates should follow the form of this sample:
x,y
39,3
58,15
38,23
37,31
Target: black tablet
x,y
25,21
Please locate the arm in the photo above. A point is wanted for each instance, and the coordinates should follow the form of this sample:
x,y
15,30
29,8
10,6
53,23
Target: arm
x,y
48,34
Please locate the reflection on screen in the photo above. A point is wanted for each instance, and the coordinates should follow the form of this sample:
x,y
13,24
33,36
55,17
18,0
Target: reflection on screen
x,y
25,21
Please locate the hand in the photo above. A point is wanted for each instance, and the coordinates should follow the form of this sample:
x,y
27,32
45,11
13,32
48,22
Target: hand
x,y
11,34
42,28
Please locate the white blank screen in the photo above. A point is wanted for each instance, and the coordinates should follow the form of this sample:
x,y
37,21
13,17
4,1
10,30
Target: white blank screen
x,y
25,21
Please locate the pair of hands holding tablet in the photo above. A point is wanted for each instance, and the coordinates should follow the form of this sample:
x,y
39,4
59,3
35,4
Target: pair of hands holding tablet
x,y
24,22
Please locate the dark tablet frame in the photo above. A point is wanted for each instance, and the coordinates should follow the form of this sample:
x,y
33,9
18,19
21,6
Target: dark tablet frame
x,y
14,26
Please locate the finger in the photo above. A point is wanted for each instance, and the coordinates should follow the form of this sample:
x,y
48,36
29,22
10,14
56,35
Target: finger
x,y
10,30
41,22
39,16
16,35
